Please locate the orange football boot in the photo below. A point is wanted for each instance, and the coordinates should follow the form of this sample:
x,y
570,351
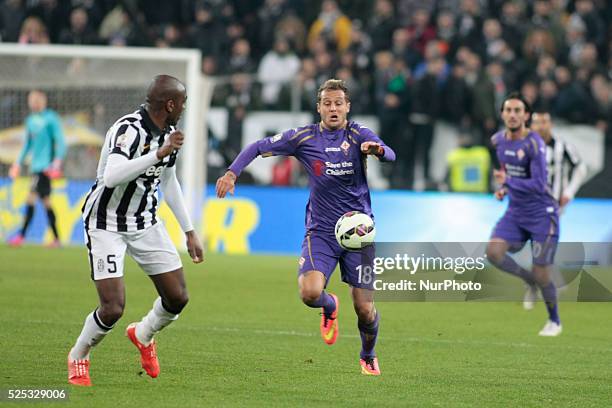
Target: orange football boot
x,y
329,325
148,355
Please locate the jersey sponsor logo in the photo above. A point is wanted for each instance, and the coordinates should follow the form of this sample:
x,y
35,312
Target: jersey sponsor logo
x,y
332,149
121,141
520,154
510,153
345,146
276,138
100,265
301,261
154,171
339,169
317,167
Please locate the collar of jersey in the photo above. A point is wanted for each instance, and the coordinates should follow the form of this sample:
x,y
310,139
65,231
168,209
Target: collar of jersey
x,y
149,122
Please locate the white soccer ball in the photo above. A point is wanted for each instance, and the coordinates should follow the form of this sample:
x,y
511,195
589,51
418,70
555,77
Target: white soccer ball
x,y
355,230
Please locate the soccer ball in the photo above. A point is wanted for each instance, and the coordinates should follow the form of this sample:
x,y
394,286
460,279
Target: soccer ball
x,y
355,230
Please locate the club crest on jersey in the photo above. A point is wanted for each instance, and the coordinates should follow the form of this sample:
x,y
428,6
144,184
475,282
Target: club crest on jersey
x,y
121,141
520,154
345,146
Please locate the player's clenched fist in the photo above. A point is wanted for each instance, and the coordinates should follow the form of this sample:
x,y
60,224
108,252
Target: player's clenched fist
x,y
173,142
372,148
226,184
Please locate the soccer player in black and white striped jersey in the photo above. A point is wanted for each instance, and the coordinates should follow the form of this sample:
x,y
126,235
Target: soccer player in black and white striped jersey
x,y
119,214
566,170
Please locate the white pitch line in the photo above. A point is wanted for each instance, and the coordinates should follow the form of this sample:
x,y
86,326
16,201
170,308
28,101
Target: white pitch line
x,y
384,338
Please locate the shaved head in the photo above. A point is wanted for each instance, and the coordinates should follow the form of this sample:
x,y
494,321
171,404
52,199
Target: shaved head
x,y
166,94
164,88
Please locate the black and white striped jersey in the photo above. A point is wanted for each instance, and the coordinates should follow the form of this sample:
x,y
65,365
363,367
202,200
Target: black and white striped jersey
x,y
566,170
130,206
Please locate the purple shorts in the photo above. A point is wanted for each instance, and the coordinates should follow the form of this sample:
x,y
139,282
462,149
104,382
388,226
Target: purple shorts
x,y
321,252
543,232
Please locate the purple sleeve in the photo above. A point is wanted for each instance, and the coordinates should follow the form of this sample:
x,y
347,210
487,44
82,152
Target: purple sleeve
x,y
537,167
282,144
366,135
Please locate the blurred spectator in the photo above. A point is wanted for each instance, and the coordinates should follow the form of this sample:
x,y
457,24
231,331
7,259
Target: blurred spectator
x,y
402,48
240,59
294,30
33,31
457,97
382,24
407,8
446,32
118,29
269,15
595,27
601,89
277,68
241,98
171,37
53,14
483,113
11,16
425,101
421,30
332,25
80,32
545,18
538,42
205,28
470,23
392,97
307,78
513,25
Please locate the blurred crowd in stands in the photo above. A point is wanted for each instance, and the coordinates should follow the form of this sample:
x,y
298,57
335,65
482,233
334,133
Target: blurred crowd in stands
x,y
410,62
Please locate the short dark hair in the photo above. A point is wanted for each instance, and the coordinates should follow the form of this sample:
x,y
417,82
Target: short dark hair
x,y
541,111
520,97
333,85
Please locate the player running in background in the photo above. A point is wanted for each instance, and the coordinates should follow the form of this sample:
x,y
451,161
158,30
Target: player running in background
x,y
119,214
333,153
44,140
532,210
566,170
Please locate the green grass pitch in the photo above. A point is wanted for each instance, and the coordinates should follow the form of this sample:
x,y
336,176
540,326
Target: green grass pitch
x,y
245,339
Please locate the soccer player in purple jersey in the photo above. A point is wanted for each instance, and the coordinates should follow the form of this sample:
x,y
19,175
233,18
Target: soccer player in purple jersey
x,y
532,212
333,153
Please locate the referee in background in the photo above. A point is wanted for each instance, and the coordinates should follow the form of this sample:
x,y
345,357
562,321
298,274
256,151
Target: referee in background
x,y
566,170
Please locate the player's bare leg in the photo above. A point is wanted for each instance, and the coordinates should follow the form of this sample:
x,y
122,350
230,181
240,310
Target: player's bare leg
x,y
543,277
367,322
311,285
172,299
98,324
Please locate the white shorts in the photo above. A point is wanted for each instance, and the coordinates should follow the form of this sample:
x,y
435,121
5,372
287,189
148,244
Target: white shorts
x,y
151,248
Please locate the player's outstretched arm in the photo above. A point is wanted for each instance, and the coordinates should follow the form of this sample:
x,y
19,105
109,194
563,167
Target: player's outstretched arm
x,y
174,197
120,169
282,144
372,144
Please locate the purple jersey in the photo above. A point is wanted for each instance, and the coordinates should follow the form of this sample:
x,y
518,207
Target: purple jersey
x,y
335,165
524,161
